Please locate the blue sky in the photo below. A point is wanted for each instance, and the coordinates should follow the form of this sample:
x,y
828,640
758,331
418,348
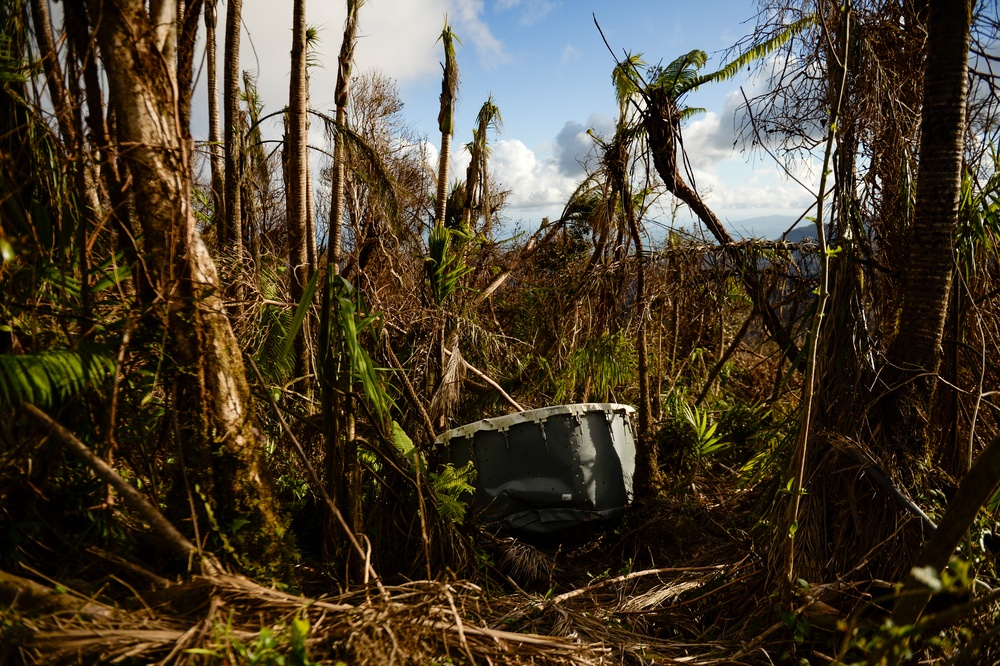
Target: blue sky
x,y
549,72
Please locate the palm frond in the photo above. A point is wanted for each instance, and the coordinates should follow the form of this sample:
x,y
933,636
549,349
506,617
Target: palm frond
x,y
625,78
48,378
363,369
377,176
445,267
608,360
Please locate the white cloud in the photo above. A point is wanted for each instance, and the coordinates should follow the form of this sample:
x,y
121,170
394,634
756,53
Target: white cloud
x,y
724,179
534,184
574,147
469,25
399,41
568,53
533,12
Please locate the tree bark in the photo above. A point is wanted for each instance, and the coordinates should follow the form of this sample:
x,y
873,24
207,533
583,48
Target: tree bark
x,y
915,353
295,198
939,182
218,441
343,479
61,102
296,190
214,120
230,232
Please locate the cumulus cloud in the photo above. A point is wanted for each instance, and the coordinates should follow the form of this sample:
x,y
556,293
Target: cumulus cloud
x,y
574,147
534,183
537,186
470,26
721,173
532,12
399,43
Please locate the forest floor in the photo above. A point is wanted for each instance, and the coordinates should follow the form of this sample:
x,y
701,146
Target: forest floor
x,y
682,580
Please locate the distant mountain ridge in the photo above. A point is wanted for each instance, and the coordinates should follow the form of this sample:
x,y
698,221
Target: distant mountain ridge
x,y
771,227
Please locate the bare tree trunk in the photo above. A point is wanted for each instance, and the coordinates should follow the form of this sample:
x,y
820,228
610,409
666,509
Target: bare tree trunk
x,y
214,120
61,102
217,440
444,163
916,353
343,480
230,236
661,122
296,209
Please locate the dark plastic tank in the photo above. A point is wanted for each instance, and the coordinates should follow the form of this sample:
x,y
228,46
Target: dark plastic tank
x,y
548,471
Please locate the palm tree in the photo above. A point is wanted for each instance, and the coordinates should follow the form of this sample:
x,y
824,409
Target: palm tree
x,y
343,479
446,118
930,263
230,231
477,176
214,121
297,172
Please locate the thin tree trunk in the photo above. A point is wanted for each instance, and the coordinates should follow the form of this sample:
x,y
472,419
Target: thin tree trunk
x,y
214,120
915,353
230,236
343,480
939,182
296,192
61,102
444,163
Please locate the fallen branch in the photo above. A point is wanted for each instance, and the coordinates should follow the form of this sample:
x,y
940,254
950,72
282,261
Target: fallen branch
x,y
625,577
176,541
414,398
492,383
28,596
973,492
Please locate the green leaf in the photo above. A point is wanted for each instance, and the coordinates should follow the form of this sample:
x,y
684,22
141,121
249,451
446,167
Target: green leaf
x,y
48,378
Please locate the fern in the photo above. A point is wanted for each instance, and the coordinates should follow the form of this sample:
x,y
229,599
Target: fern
x,y
448,484
272,351
49,378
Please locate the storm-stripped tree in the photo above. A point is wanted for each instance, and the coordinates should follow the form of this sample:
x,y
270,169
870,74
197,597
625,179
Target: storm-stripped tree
x,y
217,444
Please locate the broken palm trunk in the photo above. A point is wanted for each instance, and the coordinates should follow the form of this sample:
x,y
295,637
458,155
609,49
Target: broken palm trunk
x,y
548,472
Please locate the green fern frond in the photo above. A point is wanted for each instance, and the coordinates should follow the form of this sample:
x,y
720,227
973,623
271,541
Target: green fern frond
x,y
449,485
625,78
677,77
49,378
758,52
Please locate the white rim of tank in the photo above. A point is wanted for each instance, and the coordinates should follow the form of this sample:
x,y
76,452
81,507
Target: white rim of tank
x,y
502,423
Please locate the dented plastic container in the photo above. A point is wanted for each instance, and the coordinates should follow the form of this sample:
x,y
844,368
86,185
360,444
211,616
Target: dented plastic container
x,y
548,470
